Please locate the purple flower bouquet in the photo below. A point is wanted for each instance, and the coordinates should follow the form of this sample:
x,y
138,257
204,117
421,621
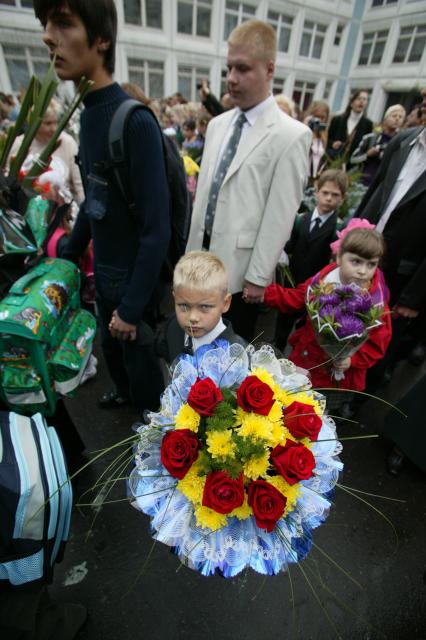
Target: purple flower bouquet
x,y
342,316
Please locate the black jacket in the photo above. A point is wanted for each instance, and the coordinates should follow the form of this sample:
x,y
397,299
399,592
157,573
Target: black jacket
x,y
310,253
170,339
404,263
337,130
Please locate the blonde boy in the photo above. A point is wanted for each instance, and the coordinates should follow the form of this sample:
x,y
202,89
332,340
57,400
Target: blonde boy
x,y
201,294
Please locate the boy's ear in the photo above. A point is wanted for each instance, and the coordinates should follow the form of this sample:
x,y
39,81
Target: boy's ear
x,y
102,44
227,302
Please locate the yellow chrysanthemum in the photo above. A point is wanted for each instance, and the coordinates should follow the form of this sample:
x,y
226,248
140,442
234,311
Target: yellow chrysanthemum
x,y
187,418
192,485
257,467
291,492
243,512
276,412
219,444
210,519
279,435
255,426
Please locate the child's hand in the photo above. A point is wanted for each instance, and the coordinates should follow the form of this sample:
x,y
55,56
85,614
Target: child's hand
x,y
341,364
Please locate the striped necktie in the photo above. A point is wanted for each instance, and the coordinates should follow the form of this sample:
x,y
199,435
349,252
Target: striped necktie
x,y
221,172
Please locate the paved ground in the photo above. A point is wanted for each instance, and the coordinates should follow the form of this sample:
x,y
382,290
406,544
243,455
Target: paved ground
x,y
136,591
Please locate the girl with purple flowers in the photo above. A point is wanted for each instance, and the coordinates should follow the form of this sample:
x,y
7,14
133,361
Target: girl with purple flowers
x,y
358,254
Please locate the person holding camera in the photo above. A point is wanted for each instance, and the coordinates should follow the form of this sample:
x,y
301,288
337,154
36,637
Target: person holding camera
x,y
372,146
316,118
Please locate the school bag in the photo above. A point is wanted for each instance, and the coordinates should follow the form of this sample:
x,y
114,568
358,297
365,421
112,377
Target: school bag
x,y
35,499
180,200
45,338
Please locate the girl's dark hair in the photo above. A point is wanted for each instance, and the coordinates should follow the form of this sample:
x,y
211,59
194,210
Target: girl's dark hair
x,y
367,243
98,16
353,97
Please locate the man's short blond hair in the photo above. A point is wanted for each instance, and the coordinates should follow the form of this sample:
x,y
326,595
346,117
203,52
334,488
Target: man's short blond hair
x,y
257,36
202,271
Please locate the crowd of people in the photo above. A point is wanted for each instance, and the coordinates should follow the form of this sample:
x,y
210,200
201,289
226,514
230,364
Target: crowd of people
x,y
254,154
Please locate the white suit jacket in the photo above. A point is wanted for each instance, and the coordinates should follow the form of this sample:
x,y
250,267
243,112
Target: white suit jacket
x,y
259,196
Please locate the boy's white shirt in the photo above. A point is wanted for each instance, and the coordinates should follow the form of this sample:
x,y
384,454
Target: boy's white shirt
x,y
208,338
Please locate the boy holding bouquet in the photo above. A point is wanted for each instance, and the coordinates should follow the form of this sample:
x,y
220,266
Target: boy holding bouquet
x,y
355,272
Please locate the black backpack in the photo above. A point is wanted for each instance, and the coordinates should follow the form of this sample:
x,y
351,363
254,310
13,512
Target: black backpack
x,y
180,200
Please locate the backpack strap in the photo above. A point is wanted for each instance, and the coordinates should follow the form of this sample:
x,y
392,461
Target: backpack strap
x,y
117,150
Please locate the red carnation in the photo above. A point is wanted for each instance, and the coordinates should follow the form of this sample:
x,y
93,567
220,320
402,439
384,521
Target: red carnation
x,y
179,449
204,396
302,421
223,493
254,395
267,502
294,461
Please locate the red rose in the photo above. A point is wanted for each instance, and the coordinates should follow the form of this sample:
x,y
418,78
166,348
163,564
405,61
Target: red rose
x,y
179,449
302,421
294,461
268,504
255,395
203,396
222,493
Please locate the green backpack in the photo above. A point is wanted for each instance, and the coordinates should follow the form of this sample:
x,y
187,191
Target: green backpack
x,y
45,338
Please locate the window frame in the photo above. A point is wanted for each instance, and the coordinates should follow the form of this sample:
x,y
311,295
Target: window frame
x,y
195,5
239,13
313,33
375,41
411,40
28,56
307,88
143,16
144,66
196,75
281,25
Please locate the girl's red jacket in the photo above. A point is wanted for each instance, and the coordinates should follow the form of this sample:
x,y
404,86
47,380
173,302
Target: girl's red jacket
x,y
307,353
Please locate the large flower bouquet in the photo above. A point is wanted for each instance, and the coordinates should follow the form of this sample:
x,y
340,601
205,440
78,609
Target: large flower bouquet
x,y
237,467
342,316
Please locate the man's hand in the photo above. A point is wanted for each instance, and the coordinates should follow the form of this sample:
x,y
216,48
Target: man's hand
x,y
337,144
120,329
204,90
373,152
342,364
399,311
252,293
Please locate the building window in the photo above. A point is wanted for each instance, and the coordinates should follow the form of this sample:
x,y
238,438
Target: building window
x,y
312,39
277,85
148,75
282,25
194,17
338,35
235,14
382,3
146,13
303,93
24,4
373,46
189,78
23,62
327,89
411,44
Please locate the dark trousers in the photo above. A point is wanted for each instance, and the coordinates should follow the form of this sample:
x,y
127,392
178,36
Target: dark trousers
x,y
132,365
243,317
403,340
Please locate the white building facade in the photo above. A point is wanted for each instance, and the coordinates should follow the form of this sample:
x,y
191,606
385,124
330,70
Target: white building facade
x,y
327,48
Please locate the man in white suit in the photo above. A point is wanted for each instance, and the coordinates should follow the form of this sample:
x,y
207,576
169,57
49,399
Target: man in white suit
x,y
249,219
